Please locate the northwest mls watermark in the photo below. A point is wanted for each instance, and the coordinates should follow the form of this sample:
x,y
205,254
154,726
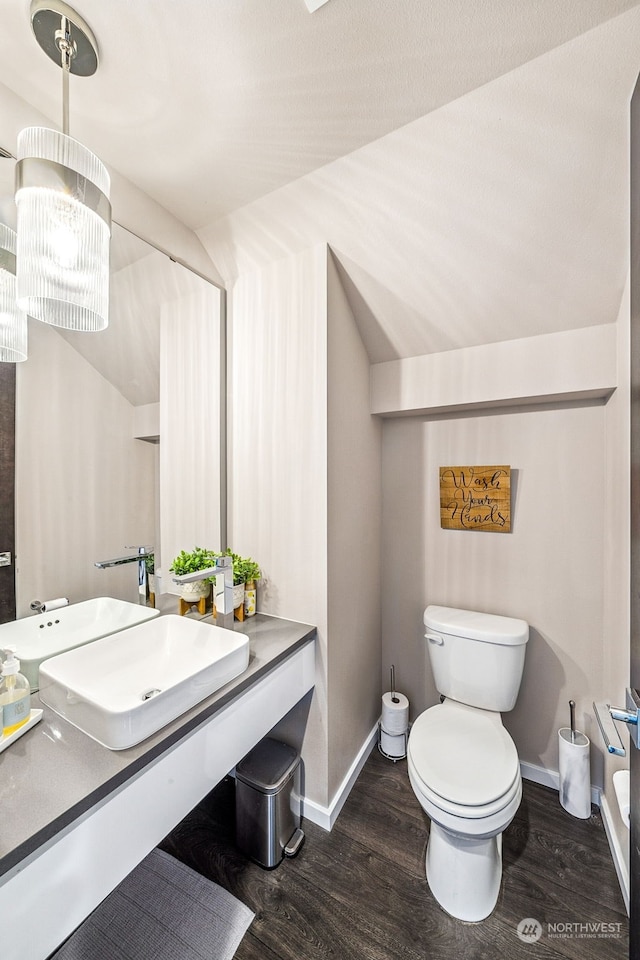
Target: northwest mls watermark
x,y
531,930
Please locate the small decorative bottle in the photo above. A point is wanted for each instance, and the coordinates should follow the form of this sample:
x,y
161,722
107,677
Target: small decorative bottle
x,y
15,694
250,598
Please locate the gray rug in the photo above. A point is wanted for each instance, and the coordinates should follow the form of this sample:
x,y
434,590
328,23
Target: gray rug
x,y
162,911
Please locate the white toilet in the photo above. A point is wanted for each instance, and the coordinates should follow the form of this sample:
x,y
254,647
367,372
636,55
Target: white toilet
x,y
463,765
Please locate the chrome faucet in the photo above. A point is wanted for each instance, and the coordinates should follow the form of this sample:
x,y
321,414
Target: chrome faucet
x,y
223,585
140,559
221,576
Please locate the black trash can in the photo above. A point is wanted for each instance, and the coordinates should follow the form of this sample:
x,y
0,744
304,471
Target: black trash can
x,y
268,803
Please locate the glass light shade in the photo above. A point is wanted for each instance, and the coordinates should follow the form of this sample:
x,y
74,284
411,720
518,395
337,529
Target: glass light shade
x,y
13,321
63,241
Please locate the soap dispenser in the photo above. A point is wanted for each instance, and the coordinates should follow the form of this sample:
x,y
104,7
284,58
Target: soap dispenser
x,y
15,694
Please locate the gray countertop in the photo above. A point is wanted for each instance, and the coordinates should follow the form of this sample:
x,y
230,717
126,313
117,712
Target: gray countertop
x,y
54,773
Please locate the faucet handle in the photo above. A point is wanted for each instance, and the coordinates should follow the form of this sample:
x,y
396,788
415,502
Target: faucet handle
x,y
142,550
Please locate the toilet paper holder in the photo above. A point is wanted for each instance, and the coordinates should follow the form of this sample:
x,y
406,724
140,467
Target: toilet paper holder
x,y
401,739
605,714
393,739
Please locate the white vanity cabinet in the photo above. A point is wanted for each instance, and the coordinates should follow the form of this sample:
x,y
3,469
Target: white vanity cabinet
x,y
116,807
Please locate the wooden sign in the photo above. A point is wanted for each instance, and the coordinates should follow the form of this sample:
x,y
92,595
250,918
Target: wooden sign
x,y
475,498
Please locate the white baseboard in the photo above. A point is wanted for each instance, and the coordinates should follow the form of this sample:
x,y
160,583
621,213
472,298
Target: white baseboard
x,y
325,817
551,778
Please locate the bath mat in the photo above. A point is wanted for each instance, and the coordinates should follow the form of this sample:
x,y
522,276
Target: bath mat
x,y
162,911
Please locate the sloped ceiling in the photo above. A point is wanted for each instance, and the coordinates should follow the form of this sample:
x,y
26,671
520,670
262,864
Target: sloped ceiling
x,y
465,160
210,104
503,214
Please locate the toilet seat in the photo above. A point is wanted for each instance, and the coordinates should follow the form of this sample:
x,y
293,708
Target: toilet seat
x,y
463,760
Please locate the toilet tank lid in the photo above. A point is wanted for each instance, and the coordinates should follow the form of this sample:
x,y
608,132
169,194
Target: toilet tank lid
x,y
487,627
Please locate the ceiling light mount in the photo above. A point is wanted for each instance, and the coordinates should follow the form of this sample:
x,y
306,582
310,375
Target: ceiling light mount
x,y
61,32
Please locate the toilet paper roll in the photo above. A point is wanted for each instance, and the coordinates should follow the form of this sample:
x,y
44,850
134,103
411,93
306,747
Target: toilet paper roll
x,y
50,605
621,786
574,768
395,714
394,747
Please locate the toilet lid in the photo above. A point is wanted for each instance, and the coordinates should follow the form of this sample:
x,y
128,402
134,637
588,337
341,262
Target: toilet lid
x,y
463,754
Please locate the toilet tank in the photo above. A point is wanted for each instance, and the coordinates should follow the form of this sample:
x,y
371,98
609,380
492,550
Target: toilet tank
x,y
476,658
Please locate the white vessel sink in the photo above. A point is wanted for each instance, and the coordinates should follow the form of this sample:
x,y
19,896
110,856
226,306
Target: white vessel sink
x,y
47,634
121,689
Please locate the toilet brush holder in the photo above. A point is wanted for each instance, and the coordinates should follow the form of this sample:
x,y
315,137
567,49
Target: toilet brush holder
x,y
574,767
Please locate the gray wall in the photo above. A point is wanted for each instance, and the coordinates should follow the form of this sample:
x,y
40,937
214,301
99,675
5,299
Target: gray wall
x,y
305,490
549,570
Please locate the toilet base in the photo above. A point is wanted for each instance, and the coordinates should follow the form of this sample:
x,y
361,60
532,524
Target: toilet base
x,y
464,873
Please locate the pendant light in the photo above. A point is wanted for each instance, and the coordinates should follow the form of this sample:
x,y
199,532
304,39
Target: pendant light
x,y
13,321
62,196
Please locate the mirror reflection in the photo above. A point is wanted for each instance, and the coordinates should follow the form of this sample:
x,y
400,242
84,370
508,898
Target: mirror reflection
x,y
92,477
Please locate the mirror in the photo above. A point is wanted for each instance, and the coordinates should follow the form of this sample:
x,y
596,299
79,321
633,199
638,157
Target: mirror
x,y
90,481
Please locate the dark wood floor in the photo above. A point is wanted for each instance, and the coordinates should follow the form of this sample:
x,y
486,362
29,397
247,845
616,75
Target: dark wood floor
x,y
360,891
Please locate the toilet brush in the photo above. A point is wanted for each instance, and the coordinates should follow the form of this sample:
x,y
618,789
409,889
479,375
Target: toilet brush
x,y
574,768
572,719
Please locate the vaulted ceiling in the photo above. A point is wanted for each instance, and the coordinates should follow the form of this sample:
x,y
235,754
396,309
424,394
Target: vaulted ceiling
x,y
210,104
466,161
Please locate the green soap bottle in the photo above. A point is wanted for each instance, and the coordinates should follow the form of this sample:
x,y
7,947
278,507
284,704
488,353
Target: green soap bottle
x,y
15,694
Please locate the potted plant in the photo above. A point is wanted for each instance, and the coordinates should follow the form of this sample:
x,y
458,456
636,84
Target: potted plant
x,y
249,570
192,562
